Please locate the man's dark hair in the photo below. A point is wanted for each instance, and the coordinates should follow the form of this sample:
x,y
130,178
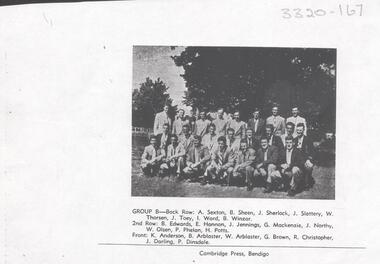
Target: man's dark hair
x,y
289,138
222,138
198,137
290,124
243,141
270,126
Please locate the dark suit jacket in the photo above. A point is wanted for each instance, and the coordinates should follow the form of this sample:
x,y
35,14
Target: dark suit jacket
x,y
167,141
255,144
272,156
307,147
297,159
260,127
277,142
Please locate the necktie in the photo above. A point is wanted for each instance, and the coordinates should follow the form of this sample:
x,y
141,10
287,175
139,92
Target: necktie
x,y
154,153
220,159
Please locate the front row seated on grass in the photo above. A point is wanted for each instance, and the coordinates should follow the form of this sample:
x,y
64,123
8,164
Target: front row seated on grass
x,y
276,170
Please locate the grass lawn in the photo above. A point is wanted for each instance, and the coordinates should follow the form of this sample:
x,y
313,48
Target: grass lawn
x,y
324,187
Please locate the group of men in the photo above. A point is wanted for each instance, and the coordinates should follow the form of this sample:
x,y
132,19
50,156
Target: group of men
x,y
221,148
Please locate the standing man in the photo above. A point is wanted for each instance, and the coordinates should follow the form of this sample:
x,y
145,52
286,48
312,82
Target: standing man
x,y
277,121
306,146
266,164
289,132
296,119
221,160
232,142
202,124
238,126
161,119
179,122
210,140
172,164
220,123
151,158
257,125
292,162
163,138
191,119
196,159
187,141
273,140
244,164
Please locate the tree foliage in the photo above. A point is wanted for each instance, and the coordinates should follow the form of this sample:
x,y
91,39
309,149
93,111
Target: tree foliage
x,y
244,78
147,101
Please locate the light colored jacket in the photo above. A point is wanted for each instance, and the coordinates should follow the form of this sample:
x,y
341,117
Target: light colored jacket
x,y
159,121
297,120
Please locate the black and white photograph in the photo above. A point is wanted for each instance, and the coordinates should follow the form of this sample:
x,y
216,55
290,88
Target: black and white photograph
x,y
249,122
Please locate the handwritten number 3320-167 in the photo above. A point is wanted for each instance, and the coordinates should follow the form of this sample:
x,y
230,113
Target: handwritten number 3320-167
x,y
343,10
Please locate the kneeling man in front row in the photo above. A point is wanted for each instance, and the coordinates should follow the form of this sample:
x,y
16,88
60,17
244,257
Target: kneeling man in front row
x,y
221,160
267,159
196,159
292,161
152,158
244,162
174,161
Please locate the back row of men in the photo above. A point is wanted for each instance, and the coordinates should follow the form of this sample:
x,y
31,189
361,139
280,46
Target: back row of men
x,y
222,121
284,162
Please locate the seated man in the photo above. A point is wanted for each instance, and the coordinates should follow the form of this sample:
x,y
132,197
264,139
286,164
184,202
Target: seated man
x,y
306,146
163,139
187,141
252,142
196,159
289,132
174,161
266,164
291,164
273,140
232,142
152,157
210,140
221,159
244,162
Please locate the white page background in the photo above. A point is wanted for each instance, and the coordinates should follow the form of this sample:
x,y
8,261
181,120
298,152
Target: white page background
x,y
65,124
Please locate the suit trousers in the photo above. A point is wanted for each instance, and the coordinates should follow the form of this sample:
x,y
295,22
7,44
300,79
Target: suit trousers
x,y
268,174
293,177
